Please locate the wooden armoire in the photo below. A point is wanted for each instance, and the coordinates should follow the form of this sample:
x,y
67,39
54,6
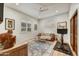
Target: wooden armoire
x,y
73,32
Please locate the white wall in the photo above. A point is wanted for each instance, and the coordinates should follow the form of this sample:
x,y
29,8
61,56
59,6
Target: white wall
x,y
73,8
19,17
49,25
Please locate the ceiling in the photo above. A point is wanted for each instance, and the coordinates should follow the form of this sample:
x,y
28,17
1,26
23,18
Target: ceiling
x,y
47,9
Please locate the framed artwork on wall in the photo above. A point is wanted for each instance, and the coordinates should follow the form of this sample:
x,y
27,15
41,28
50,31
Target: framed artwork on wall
x,y
62,25
23,26
9,24
29,27
35,26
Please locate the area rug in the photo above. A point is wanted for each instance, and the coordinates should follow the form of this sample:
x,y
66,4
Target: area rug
x,y
38,48
65,49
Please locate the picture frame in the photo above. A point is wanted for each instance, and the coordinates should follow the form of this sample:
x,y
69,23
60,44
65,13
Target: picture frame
x,y
28,27
9,24
62,25
35,27
23,26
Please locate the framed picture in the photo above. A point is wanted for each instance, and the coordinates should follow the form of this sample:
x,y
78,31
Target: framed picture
x,y
9,23
62,25
23,26
35,26
29,27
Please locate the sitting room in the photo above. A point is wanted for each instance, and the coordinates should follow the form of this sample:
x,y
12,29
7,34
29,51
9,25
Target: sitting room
x,y
39,29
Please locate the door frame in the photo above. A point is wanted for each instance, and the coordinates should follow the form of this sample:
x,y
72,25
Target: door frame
x,y
74,15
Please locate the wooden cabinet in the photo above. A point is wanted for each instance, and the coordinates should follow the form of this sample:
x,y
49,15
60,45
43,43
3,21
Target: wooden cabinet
x,y
73,32
21,50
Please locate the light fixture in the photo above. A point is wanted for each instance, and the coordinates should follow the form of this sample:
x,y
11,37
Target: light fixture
x,y
17,4
41,10
56,11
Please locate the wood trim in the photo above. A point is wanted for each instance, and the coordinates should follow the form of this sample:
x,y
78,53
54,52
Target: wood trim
x,y
20,50
73,33
74,54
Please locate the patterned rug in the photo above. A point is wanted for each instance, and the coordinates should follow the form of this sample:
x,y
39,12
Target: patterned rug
x,y
38,48
64,49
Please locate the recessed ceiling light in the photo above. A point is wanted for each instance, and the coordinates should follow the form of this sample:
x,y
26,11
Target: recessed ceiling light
x,y
56,11
17,3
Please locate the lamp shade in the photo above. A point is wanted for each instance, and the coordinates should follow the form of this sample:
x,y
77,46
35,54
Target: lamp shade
x,y
62,27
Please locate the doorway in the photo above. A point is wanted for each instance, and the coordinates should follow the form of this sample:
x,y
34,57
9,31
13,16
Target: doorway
x,y
73,32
